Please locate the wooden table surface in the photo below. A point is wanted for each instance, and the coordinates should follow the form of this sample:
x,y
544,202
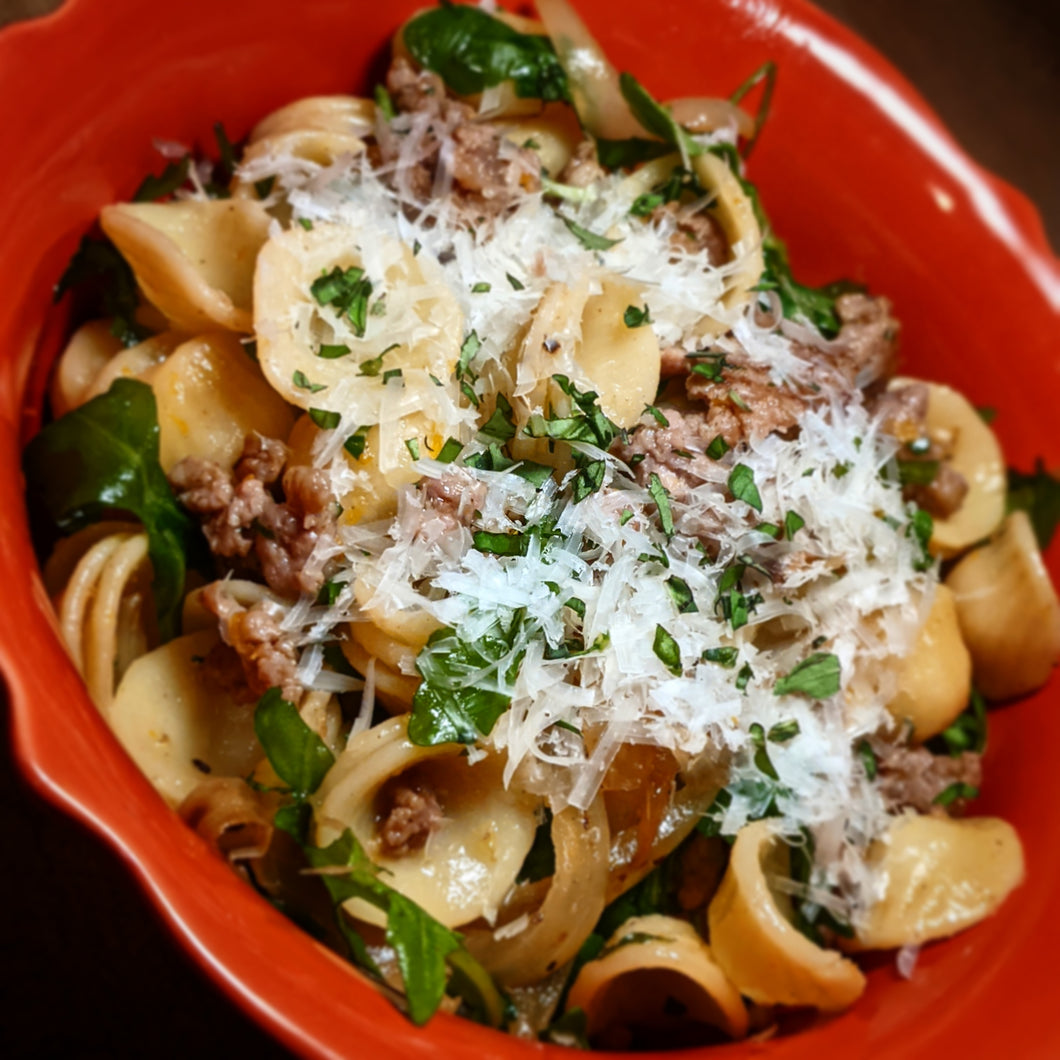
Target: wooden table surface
x,y
85,969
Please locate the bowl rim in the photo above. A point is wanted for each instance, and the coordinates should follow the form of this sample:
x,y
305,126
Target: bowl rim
x,y
52,767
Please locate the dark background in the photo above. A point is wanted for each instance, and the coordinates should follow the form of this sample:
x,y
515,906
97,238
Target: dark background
x,y
86,969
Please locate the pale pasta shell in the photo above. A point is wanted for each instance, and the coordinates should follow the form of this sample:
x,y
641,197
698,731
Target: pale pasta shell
x,y
83,358
649,963
169,717
194,259
754,941
1008,611
469,862
136,362
341,115
939,876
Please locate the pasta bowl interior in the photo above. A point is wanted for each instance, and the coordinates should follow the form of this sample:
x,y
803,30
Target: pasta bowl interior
x,y
859,179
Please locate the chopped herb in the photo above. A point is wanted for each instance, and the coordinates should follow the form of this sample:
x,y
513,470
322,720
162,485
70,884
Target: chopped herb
x,y
588,479
384,102
667,651
468,350
264,186
372,366
515,284
957,790
540,861
770,530
717,448
722,656
480,288
968,732
867,758
709,365
392,373
816,677
449,452
355,444
738,401
589,240
635,317
302,381
742,486
325,419
378,307
656,414
661,496
793,523
500,425
917,472
501,544
329,592
783,731
469,392
743,678
306,223
627,514
413,446
348,291
331,352
681,595
920,528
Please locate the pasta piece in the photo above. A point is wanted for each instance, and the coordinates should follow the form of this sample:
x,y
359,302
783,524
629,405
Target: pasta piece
x,y
196,616
419,333
939,876
395,654
210,397
656,974
447,833
136,362
754,941
1008,611
553,134
341,115
973,451
195,259
539,935
935,679
89,349
412,625
394,690
177,725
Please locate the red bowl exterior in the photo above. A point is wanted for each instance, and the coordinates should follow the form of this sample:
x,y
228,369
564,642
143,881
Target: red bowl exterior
x,y
861,180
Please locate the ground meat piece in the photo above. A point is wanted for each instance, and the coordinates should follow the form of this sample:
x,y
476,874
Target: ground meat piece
x,y
695,230
867,340
290,533
228,508
455,494
745,402
263,458
913,777
902,412
674,453
583,168
943,495
267,653
413,815
488,171
673,361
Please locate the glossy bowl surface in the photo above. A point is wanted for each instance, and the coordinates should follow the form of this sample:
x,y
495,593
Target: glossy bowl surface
x,y
860,179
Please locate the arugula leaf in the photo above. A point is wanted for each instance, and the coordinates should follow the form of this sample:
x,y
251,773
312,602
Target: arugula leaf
x,y
766,72
968,731
1038,494
816,677
300,757
103,457
471,51
656,118
174,176
620,154
104,281
464,690
424,947
589,240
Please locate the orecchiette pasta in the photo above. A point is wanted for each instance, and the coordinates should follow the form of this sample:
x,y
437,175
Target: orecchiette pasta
x,y
493,551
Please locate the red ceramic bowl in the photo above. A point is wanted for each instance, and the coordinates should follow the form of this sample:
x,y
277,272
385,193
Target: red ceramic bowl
x,y
861,180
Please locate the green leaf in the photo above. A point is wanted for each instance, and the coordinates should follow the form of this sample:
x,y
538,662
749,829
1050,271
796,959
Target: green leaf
x,y
656,118
106,286
540,861
717,448
325,419
618,154
635,317
868,759
468,350
783,731
816,677
968,731
303,382
332,351
723,656
264,186
384,102
661,497
174,176
102,457
767,72
516,285
917,472
501,544
957,790
1037,494
449,452
300,757
667,650
500,425
742,486
589,240
422,946
356,443
348,291
480,288
681,595
464,689
471,51
793,523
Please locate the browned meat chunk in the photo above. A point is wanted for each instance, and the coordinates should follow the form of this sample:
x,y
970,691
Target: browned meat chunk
x,y
695,230
943,495
583,168
455,495
902,411
413,815
231,816
745,403
268,654
487,170
675,453
868,337
913,777
238,513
